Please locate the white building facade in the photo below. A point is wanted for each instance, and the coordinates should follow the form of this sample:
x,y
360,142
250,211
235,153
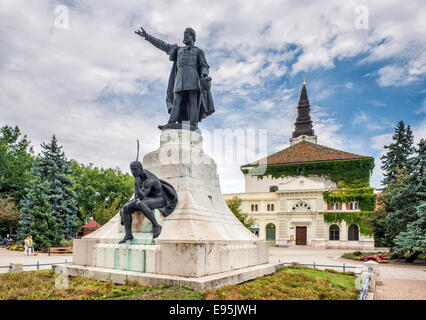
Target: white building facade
x,y
288,211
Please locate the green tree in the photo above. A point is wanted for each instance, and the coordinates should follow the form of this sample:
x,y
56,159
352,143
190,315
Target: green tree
x,y
16,161
54,170
234,205
9,213
401,200
98,186
37,219
397,200
104,212
398,154
412,240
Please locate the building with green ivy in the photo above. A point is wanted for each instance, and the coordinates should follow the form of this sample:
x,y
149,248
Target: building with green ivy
x,y
309,194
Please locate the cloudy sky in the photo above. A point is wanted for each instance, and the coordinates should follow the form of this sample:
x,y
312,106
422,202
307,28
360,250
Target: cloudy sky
x,y
77,69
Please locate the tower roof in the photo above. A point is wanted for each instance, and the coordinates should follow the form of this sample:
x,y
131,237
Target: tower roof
x,y
305,151
303,122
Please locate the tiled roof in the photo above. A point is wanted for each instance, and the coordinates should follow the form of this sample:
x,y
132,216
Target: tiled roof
x,y
92,224
305,151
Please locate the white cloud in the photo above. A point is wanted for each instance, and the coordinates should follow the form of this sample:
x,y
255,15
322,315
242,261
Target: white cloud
x,y
377,103
395,75
349,85
419,132
422,109
98,86
378,142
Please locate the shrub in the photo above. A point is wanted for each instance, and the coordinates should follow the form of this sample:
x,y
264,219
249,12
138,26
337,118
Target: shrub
x,y
15,247
357,253
66,243
331,270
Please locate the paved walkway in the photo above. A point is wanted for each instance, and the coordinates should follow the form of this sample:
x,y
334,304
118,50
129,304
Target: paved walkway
x,y
397,289
401,283
7,257
310,255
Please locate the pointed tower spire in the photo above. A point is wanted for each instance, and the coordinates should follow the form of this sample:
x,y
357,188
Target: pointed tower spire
x,y
303,122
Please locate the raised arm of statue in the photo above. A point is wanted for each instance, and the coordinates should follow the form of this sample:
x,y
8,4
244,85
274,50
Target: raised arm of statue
x,y
160,44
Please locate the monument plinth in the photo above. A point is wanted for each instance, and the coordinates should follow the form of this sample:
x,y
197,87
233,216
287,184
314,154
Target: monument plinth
x,y
201,238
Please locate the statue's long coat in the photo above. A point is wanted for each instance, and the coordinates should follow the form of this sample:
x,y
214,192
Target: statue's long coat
x,y
186,79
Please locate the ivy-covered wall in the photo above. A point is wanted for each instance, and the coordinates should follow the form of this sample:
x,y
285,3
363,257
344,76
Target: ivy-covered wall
x,y
361,219
353,173
352,178
366,201
364,196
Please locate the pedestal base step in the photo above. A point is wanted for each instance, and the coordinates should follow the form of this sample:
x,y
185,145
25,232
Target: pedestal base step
x,y
199,284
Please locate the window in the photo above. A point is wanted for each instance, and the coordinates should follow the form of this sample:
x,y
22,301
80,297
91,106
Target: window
x,y
353,233
353,205
255,229
334,206
273,188
334,232
272,207
268,207
254,207
302,206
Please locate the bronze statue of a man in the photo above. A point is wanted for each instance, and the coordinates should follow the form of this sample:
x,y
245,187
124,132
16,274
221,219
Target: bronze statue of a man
x,y
150,193
188,92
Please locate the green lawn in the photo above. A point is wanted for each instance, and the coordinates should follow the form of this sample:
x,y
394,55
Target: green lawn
x,y
299,283
292,283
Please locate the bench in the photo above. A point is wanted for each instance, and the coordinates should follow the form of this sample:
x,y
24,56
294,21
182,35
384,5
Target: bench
x,y
7,243
59,250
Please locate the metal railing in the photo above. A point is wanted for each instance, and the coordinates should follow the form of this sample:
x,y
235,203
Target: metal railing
x,y
314,265
38,264
365,286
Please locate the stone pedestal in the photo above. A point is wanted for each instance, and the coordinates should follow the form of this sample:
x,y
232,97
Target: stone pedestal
x,y
202,237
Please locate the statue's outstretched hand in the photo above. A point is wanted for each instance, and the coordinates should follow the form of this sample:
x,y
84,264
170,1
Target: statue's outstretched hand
x,y
141,32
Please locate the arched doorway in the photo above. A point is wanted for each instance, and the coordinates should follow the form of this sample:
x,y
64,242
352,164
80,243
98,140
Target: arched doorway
x,y
270,232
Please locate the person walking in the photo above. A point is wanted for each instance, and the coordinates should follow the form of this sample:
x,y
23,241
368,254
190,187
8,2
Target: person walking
x,y
27,244
32,250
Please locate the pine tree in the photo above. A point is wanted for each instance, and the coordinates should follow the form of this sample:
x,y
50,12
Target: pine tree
x,y
399,153
37,219
53,168
401,208
413,239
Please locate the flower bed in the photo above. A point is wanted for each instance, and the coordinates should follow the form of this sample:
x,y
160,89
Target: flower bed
x,y
16,247
379,257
